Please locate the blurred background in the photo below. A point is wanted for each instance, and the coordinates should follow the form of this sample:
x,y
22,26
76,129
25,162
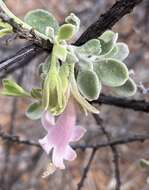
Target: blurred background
x,y
21,166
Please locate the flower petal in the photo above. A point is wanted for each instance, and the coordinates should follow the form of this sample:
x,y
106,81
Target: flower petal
x,y
46,145
47,120
70,154
57,158
78,132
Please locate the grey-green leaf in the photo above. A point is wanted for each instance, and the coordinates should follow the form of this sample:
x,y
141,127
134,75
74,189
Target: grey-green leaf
x,y
88,84
108,40
122,51
66,32
34,111
73,19
127,89
111,72
40,19
90,48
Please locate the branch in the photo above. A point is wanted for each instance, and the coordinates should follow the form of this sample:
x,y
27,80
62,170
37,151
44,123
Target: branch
x,y
118,141
114,150
108,20
21,58
86,169
137,105
104,22
25,33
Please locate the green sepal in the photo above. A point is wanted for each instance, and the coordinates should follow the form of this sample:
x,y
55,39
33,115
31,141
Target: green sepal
x,y
60,52
127,89
64,75
111,72
34,111
66,32
40,19
11,88
89,84
53,96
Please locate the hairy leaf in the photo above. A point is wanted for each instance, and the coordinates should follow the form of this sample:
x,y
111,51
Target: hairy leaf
x,y
127,89
122,51
34,111
108,40
74,20
90,48
40,19
111,72
66,32
88,84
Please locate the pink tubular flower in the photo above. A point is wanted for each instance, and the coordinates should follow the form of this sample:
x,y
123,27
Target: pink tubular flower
x,y
60,134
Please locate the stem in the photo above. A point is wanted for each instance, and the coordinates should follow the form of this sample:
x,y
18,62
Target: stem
x,y
19,21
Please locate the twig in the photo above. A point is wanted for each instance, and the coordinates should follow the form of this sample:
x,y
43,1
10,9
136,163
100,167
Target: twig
x,y
136,105
117,141
99,121
86,169
108,20
23,57
4,178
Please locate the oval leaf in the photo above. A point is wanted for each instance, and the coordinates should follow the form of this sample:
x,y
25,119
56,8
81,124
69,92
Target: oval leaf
x,y
34,111
108,40
90,48
126,90
66,32
122,52
40,19
88,84
111,72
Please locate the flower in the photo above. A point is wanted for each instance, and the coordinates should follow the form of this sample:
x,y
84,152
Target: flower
x,y
60,134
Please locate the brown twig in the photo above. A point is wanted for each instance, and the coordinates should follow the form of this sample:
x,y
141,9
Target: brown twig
x,y
86,169
99,121
118,141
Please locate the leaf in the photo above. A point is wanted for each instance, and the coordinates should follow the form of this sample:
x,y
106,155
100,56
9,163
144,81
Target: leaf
x,y
11,88
66,32
89,84
144,163
74,20
5,28
90,48
127,89
122,52
111,53
111,72
87,107
108,40
40,19
34,111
